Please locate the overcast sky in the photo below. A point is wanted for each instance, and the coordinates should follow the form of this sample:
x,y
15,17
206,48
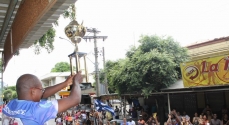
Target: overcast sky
x,y
123,21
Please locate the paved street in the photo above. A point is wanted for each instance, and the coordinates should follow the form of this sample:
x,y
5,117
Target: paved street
x,y
51,122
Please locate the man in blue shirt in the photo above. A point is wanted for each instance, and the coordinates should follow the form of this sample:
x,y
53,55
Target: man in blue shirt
x,y
29,109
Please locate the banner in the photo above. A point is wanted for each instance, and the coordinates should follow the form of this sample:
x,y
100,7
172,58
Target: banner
x,y
206,72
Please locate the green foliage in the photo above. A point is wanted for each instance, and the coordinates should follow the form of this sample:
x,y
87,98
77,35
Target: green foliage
x,y
62,67
46,42
150,67
12,88
70,12
9,93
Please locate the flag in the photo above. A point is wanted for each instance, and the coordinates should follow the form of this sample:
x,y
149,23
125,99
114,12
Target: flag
x,y
103,107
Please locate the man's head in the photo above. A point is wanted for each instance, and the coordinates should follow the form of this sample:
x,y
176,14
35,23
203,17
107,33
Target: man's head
x,y
215,116
29,87
124,120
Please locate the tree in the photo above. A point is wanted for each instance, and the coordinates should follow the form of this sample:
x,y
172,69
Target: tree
x,y
46,41
70,12
9,93
62,67
150,67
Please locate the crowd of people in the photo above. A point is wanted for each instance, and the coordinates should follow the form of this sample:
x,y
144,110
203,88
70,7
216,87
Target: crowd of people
x,y
207,117
92,117
82,117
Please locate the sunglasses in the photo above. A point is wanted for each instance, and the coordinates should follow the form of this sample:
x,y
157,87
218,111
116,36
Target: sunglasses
x,y
42,90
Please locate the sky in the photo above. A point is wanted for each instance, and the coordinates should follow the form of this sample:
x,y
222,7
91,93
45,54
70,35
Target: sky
x,y
124,21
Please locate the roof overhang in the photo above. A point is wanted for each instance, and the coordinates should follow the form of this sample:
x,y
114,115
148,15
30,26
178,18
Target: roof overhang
x,y
8,10
25,21
196,89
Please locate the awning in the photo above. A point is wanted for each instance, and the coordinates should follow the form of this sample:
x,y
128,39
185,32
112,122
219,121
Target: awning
x,y
32,19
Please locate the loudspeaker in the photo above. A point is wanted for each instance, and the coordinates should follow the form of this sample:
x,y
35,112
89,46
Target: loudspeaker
x,y
85,99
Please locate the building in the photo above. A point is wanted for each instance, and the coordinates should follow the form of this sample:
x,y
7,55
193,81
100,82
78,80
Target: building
x,y
192,93
204,79
208,49
54,78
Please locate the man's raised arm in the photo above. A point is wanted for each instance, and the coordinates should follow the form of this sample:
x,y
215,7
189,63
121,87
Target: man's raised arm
x,y
75,95
51,90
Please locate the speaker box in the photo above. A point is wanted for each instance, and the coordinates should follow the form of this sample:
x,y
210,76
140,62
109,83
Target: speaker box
x,y
85,99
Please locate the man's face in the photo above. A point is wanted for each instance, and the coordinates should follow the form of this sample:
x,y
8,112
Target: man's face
x,y
215,116
37,92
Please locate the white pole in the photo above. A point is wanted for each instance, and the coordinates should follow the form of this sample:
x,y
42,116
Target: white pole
x,y
96,65
169,104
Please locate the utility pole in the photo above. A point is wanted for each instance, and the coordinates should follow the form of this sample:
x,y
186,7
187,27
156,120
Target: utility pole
x,y
105,74
95,37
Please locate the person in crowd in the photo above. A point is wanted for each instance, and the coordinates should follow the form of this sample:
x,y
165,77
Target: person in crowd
x,y
139,111
185,120
209,115
70,119
205,120
34,111
131,121
179,116
96,118
104,118
99,118
77,116
173,118
114,123
225,120
130,111
91,116
83,117
66,118
116,112
124,122
144,115
152,121
201,120
58,119
195,120
184,114
224,111
134,113
88,122
215,120
141,121
207,108
149,122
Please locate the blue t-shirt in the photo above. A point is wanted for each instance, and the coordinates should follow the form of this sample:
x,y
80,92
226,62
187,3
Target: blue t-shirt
x,y
23,112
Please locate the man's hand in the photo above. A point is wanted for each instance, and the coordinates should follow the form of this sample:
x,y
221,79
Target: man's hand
x,y
78,78
69,80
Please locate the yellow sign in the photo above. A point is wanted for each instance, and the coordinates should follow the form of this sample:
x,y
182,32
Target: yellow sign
x,y
206,72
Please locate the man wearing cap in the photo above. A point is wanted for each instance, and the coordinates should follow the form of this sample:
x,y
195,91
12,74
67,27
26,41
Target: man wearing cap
x,y
29,109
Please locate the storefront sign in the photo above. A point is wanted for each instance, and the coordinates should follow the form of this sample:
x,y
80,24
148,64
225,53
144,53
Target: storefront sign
x,y
206,72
